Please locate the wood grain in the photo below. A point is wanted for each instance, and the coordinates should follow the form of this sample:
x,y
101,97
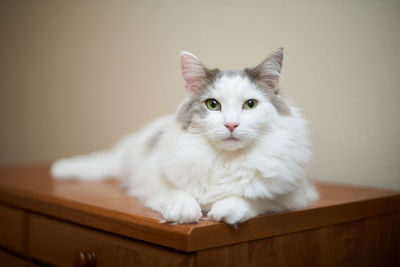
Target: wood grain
x,y
370,242
13,229
233,256
57,242
7,259
105,206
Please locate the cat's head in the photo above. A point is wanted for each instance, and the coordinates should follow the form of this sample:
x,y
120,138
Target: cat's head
x,y
231,109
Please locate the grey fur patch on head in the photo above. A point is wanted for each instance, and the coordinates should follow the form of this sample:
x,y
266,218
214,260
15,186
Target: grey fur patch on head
x,y
193,106
188,110
211,76
233,73
274,95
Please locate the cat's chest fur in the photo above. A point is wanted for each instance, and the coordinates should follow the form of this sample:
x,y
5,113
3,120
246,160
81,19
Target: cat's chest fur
x,y
261,170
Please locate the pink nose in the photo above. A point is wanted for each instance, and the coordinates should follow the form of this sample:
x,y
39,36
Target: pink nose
x,y
231,126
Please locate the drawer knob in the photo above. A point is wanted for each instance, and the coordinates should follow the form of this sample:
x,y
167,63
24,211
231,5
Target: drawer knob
x,y
85,258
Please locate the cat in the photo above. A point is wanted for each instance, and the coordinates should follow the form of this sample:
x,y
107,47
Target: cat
x,y
234,149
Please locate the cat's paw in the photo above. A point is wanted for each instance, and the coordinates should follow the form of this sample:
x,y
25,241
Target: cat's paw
x,y
231,210
182,208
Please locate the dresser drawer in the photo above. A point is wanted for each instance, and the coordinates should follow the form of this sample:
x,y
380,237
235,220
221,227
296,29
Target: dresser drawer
x,y
13,228
60,243
7,259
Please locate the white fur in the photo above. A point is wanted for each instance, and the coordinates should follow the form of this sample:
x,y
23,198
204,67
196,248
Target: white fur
x,y
197,169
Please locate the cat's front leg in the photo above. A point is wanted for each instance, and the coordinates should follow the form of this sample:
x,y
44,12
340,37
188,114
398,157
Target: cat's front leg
x,y
234,209
181,208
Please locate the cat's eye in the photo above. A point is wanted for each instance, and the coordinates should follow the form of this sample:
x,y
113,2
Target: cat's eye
x,y
250,104
213,104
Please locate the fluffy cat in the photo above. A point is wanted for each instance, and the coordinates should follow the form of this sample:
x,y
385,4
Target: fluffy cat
x,y
234,149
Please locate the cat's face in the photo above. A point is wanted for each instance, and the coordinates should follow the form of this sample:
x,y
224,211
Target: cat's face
x,y
231,109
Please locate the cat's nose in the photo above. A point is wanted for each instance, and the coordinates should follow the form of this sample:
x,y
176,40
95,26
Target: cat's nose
x,y
231,126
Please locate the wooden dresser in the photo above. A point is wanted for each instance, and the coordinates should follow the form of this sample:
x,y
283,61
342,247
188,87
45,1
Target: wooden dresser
x,y
62,223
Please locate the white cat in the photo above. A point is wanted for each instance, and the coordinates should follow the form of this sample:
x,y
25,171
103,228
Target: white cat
x,y
234,149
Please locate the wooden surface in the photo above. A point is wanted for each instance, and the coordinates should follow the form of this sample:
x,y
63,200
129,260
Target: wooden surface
x,y
7,259
105,206
13,229
369,242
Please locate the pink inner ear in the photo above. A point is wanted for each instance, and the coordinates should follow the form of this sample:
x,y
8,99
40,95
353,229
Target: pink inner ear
x,y
269,70
273,81
192,70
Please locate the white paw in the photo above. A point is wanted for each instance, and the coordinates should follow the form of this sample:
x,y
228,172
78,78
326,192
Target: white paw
x,y
182,208
231,210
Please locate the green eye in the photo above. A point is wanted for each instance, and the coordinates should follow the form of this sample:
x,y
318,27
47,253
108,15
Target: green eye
x,y
250,104
213,104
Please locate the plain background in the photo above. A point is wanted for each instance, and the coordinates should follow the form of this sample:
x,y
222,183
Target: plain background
x,y
75,76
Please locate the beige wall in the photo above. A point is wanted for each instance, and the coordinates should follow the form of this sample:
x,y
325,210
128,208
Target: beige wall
x,y
75,76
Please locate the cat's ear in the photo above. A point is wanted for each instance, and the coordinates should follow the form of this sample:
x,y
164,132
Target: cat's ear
x,y
193,71
269,70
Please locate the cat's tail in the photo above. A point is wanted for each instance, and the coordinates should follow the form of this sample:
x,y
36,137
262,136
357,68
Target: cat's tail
x,y
91,167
